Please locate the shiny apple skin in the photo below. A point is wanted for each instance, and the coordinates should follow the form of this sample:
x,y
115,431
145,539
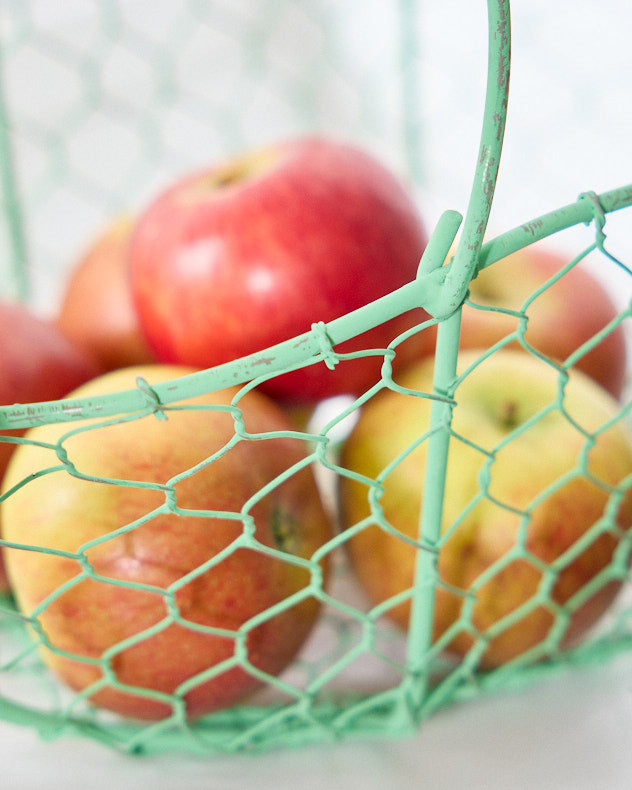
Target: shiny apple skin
x,y
235,258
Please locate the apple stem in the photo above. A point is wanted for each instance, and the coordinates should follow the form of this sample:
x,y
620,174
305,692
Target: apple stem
x,y
509,414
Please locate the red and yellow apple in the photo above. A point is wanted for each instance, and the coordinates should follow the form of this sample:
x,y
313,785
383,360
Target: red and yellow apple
x,y
528,520
253,251
96,310
38,363
162,561
561,319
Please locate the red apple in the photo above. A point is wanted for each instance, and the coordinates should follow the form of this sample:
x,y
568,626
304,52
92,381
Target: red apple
x,y
190,547
560,319
38,363
534,510
96,310
237,257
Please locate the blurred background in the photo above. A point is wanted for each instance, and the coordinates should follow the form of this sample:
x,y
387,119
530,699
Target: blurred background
x,y
104,101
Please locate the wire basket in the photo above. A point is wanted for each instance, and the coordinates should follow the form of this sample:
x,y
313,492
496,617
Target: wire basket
x,y
149,95
359,673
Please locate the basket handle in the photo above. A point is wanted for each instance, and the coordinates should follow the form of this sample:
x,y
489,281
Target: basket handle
x,y
445,304
450,296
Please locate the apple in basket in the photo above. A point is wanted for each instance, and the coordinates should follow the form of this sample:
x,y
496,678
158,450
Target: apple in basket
x,y
96,309
561,318
166,578
537,501
252,251
37,363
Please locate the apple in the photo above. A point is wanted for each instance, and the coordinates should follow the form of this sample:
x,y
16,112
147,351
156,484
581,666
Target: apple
x,y
38,363
96,309
521,515
561,319
239,256
187,553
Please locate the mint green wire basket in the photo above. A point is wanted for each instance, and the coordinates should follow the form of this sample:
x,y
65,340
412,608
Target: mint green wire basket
x,y
324,695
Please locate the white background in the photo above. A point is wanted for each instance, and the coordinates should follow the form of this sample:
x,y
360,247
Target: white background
x,y
569,130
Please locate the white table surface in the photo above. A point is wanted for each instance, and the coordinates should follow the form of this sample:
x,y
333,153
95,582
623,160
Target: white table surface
x,y
569,731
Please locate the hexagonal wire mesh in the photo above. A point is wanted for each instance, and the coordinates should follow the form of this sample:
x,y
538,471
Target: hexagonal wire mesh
x,y
359,673
147,95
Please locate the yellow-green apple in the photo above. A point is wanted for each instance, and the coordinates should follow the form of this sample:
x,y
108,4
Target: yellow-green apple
x,y
236,257
562,318
37,363
165,552
537,500
96,309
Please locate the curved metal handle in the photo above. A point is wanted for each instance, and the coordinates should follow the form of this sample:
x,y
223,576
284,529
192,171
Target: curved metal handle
x,y
448,299
463,266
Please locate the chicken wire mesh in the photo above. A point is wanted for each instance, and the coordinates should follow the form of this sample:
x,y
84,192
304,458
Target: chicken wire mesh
x,y
144,95
358,672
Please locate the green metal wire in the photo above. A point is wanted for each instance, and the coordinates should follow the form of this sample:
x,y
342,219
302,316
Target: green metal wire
x,y
454,288
307,348
320,703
